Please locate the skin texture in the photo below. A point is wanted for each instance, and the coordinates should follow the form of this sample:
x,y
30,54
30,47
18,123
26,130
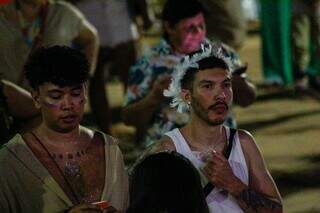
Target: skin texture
x,y
210,95
61,108
187,35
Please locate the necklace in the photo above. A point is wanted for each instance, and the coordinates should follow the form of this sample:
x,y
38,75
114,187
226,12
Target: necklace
x,y
71,175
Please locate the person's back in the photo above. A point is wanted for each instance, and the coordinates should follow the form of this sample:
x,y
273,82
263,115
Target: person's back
x,y
166,182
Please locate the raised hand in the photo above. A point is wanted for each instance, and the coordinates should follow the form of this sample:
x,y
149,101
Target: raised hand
x,y
219,173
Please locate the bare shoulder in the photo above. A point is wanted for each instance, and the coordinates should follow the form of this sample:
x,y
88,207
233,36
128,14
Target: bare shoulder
x,y
249,146
246,139
165,144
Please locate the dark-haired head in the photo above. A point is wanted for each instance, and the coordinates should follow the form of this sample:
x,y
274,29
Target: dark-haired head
x,y
166,182
59,65
175,11
206,63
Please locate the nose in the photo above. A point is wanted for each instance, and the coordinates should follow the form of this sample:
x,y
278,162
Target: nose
x,y
67,102
198,29
221,95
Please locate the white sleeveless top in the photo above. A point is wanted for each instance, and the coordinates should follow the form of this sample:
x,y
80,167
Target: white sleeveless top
x,y
219,201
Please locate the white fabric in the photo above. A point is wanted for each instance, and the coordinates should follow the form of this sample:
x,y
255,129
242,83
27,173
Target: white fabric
x,y
218,200
112,20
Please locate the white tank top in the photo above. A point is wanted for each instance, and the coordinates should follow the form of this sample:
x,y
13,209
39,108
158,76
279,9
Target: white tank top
x,y
219,201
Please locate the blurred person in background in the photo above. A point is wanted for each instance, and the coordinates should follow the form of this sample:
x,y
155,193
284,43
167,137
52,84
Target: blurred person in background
x,y
184,32
225,22
115,21
290,42
26,25
275,35
305,40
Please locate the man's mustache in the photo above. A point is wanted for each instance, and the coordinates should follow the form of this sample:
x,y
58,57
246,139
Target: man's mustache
x,y
212,107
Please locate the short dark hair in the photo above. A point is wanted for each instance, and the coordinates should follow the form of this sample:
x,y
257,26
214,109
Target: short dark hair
x,y
176,10
206,63
166,182
60,65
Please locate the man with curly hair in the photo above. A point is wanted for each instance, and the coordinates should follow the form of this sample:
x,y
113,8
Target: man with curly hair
x,y
61,166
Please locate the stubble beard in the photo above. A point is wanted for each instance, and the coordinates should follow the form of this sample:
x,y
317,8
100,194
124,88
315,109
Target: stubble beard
x,y
203,114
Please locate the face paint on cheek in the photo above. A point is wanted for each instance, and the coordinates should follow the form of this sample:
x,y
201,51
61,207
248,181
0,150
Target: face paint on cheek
x,y
50,103
191,43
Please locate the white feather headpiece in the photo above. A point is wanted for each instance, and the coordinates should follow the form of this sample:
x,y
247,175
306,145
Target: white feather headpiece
x,y
174,90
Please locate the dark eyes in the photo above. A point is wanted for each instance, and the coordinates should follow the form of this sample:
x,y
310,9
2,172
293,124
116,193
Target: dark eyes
x,y
227,84
76,93
58,95
210,86
194,28
206,86
55,95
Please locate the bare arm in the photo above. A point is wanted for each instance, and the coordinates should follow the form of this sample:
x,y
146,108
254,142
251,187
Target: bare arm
x,y
261,195
88,41
17,99
140,113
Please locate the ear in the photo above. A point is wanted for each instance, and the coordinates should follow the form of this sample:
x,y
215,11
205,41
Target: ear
x,y
186,95
36,98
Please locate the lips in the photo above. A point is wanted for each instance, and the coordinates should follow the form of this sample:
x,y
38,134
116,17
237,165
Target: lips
x,y
69,118
219,107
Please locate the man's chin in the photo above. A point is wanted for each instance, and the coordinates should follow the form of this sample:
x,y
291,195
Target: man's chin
x,y
216,121
65,128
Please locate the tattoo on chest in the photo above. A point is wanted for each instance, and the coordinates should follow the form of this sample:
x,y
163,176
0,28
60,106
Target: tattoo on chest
x,y
74,175
256,200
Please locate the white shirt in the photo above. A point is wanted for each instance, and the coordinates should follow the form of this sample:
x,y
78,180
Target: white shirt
x,y
218,200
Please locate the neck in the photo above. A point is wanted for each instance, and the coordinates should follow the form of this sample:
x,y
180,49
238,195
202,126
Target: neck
x,y
54,137
199,132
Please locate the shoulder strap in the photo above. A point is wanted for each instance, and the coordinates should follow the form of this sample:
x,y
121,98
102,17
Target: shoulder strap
x,y
209,187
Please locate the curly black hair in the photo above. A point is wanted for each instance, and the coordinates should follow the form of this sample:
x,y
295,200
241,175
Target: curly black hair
x,y
60,65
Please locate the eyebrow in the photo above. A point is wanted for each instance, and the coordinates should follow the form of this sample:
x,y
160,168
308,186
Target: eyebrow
x,y
77,88
205,82
54,90
209,81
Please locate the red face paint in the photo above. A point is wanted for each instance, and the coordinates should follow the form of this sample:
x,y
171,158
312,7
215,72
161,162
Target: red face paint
x,y
188,34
